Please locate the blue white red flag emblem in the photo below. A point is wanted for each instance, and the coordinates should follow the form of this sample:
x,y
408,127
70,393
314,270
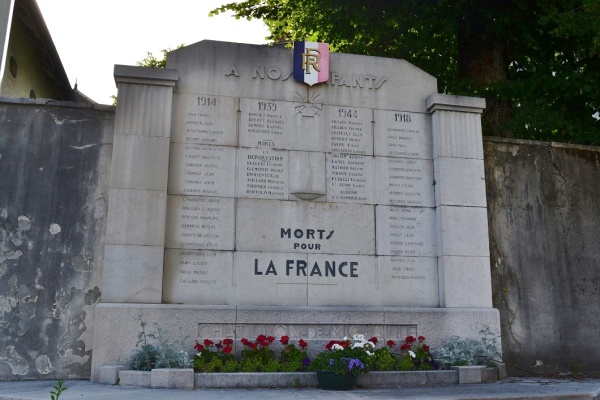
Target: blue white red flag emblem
x,y
311,62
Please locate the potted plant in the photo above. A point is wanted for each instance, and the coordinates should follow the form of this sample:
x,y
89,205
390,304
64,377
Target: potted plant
x,y
339,365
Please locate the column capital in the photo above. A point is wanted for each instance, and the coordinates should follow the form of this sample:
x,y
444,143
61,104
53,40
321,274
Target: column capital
x,y
145,76
445,102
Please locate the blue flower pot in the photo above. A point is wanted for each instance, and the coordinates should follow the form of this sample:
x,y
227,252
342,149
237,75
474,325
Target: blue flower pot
x,y
332,381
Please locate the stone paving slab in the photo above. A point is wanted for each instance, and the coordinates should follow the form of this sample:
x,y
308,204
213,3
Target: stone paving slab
x,y
511,388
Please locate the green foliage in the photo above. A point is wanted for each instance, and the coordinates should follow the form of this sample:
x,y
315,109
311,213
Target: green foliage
x,y
213,357
456,351
383,360
292,358
150,61
58,390
537,63
160,354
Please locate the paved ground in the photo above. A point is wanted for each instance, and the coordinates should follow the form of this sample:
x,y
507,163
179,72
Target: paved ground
x,y
510,388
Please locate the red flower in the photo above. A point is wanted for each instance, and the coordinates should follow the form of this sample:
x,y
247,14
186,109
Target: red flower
x,y
405,346
284,340
264,343
328,345
198,347
373,339
426,348
227,349
390,343
302,344
260,338
227,342
208,342
270,339
252,345
410,339
219,345
421,338
244,341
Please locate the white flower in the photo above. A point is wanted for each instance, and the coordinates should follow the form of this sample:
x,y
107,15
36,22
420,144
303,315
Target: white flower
x,y
336,346
412,354
369,352
358,345
199,354
345,338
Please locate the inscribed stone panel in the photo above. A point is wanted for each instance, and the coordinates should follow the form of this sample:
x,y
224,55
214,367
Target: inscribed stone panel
x,y
404,182
305,227
197,276
204,119
195,222
331,278
269,279
402,134
408,281
406,231
349,178
202,170
263,173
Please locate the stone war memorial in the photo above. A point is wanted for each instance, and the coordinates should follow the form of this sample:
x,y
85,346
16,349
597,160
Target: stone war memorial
x,y
250,197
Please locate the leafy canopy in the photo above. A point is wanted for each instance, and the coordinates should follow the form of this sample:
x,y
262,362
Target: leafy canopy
x,y
537,62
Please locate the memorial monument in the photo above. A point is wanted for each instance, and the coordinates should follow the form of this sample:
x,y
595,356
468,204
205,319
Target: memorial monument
x,y
258,189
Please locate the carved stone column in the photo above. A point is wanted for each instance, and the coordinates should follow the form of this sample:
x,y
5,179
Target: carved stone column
x,y
135,234
460,201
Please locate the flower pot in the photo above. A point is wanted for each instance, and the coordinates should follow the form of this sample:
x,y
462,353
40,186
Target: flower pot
x,y
332,381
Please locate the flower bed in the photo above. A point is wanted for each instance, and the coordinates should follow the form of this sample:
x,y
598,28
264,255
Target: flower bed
x,y
216,380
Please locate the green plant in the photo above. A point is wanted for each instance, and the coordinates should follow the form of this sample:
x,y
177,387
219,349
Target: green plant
x,y
293,358
344,357
58,390
211,357
257,356
483,351
161,354
415,355
383,359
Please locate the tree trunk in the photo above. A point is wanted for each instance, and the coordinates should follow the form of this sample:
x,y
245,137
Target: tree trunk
x,y
483,60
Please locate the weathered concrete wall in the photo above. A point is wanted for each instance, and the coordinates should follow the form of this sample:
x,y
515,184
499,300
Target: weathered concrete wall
x,y
544,214
54,166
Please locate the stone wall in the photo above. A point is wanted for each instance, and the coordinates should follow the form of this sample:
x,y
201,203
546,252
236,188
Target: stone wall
x,y
544,221
54,167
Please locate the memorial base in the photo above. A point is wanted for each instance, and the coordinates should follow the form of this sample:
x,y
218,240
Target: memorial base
x,y
118,325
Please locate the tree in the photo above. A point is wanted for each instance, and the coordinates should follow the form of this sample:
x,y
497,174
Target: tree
x,y
537,62
150,61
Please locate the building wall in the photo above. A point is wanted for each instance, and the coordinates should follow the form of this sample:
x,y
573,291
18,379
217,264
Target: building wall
x,y
54,167
29,79
543,210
